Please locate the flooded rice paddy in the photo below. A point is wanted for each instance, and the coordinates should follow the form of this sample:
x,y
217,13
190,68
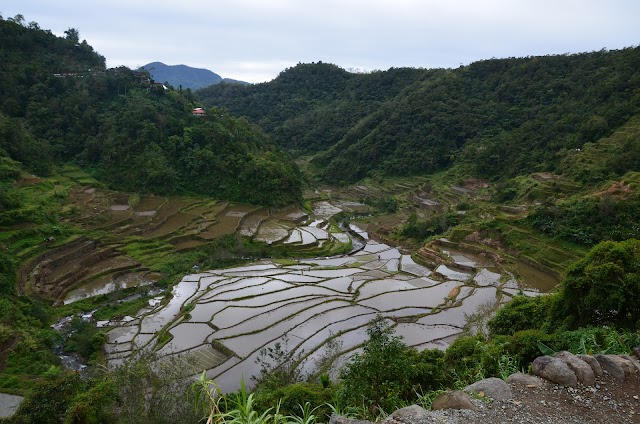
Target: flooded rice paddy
x,y
318,309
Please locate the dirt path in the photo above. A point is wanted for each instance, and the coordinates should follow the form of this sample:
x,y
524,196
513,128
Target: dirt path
x,y
608,402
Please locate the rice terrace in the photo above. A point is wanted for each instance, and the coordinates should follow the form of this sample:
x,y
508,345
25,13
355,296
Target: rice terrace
x,y
331,244
221,319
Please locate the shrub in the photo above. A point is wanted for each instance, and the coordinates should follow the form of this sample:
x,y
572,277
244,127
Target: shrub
x,y
523,345
592,340
472,358
50,399
294,395
604,287
428,370
522,313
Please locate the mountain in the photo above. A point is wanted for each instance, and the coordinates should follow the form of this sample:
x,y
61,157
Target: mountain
x,y
186,76
60,104
498,118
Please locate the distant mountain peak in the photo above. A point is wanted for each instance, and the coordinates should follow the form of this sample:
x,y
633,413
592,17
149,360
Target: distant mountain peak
x,y
185,76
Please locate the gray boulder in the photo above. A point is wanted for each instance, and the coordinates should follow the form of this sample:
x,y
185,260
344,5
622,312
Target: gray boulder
x,y
520,379
554,370
453,400
338,419
626,365
610,366
493,387
409,415
581,369
633,361
593,363
636,350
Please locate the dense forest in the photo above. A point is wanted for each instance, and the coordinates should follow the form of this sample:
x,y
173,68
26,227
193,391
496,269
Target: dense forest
x,y
60,104
498,118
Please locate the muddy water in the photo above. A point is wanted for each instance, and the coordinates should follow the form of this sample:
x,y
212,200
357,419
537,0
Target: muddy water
x,y
248,308
408,265
533,278
325,210
418,334
304,305
250,225
108,284
271,231
294,237
452,274
307,238
330,261
318,233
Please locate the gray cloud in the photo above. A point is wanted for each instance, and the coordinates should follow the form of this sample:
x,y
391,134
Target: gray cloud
x,y
254,40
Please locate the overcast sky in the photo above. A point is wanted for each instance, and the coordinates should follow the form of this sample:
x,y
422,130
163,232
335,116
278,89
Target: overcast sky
x,y
254,40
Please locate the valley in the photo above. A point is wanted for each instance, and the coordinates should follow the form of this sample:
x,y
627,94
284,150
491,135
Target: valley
x,y
333,266
325,241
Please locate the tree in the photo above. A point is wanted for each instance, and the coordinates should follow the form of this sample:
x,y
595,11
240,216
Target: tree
x,y
18,19
73,35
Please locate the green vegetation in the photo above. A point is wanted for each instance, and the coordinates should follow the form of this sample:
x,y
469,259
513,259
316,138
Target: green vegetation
x,y
387,373
591,219
135,393
604,287
61,105
83,338
497,118
422,230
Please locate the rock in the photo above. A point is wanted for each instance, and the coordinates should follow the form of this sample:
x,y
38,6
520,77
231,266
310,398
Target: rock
x,y
9,404
493,387
580,368
520,379
338,419
625,364
610,366
636,350
410,414
453,400
554,370
633,361
593,363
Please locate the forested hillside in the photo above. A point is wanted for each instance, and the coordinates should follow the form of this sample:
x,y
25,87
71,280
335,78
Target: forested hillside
x,y
60,104
309,108
498,117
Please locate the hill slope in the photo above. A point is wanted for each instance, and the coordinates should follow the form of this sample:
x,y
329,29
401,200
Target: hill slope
x,y
61,104
496,117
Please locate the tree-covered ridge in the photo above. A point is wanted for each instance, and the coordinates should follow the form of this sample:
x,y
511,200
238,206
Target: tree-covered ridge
x,y
61,104
310,107
499,117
